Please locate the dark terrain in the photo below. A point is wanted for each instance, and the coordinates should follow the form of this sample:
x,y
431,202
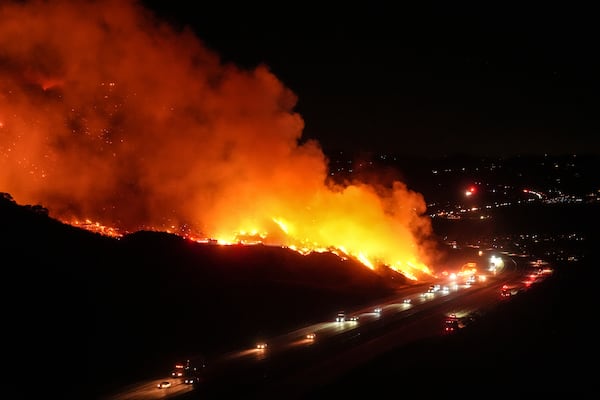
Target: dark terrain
x,y
87,313
105,312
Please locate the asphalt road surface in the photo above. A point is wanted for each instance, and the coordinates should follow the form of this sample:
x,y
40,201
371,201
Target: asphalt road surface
x,y
293,364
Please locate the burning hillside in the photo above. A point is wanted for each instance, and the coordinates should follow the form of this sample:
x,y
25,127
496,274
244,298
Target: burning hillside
x,y
109,114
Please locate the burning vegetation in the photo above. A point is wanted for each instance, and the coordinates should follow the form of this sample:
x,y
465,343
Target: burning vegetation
x,y
109,114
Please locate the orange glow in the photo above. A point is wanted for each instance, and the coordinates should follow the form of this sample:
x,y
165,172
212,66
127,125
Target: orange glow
x,y
108,114
469,268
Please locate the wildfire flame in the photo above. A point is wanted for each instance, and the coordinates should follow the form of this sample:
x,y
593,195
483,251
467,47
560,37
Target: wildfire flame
x,y
109,114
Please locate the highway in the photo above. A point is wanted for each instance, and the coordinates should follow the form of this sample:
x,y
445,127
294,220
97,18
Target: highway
x,y
148,390
341,346
292,364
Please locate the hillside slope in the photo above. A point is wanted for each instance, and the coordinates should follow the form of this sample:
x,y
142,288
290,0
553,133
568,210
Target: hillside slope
x,y
110,311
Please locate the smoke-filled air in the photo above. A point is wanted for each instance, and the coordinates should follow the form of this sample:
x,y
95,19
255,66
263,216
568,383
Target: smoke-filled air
x,y
110,115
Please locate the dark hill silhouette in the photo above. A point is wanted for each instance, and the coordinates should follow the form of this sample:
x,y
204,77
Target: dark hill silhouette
x,y
84,308
132,306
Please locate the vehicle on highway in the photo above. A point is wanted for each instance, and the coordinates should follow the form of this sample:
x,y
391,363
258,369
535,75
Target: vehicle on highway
x,y
342,317
509,290
190,380
164,385
261,346
183,368
433,288
471,280
178,371
453,323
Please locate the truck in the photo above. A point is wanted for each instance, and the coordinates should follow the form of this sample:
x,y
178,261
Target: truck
x,y
343,317
189,371
452,323
456,321
180,369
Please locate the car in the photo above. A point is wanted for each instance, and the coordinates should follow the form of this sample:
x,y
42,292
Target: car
x,y
377,310
311,336
190,380
353,318
508,291
261,346
341,316
164,385
177,373
433,288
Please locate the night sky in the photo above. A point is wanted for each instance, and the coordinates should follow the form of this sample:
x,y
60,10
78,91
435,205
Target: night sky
x,y
442,80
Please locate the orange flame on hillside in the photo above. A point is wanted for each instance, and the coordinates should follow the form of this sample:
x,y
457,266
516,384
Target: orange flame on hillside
x,y
109,114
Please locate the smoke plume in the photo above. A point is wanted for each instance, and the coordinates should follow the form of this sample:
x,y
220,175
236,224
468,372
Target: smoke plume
x,y
108,113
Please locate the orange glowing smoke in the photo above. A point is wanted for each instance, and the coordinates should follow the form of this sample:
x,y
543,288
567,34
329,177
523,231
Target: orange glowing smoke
x,y
108,114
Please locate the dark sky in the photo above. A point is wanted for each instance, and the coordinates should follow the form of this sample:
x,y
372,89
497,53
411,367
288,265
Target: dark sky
x,y
441,80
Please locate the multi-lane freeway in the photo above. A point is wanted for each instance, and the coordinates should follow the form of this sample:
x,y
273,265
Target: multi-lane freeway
x,y
292,364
